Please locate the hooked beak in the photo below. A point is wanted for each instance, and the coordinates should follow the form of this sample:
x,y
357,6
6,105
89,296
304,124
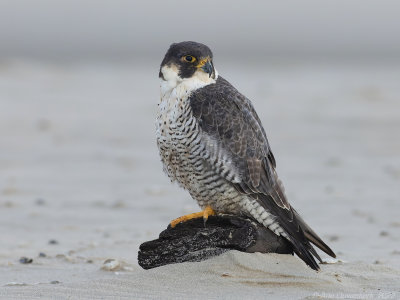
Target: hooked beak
x,y
206,66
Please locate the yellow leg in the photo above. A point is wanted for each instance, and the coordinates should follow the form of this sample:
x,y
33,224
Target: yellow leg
x,y
208,211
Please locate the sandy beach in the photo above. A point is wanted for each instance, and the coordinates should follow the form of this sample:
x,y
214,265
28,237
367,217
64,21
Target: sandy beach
x,y
81,181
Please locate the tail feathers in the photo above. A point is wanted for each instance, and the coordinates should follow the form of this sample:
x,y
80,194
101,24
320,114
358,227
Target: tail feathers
x,y
314,238
313,252
306,252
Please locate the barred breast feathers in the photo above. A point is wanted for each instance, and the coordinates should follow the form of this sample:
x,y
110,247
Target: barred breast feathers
x,y
174,117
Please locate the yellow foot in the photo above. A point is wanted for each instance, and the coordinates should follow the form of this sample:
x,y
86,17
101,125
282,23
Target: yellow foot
x,y
208,211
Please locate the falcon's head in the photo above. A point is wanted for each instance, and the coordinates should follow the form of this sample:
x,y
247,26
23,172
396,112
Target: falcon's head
x,y
188,60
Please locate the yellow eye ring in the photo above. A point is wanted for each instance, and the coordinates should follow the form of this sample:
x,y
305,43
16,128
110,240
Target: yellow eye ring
x,y
189,58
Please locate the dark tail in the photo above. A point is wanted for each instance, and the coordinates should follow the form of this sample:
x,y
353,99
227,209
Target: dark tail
x,y
306,252
298,232
313,237
304,249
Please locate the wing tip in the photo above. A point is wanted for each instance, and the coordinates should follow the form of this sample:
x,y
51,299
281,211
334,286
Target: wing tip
x,y
317,241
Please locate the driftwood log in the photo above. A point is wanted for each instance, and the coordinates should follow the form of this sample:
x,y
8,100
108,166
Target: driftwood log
x,y
195,240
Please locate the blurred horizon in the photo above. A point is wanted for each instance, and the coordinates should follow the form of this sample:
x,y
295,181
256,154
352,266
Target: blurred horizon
x,y
68,30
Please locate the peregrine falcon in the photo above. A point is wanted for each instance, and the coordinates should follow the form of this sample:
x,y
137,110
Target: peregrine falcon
x,y
212,142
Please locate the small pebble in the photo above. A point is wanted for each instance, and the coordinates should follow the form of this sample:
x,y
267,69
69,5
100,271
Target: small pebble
x,y
8,204
43,124
111,265
333,238
119,204
395,224
53,242
40,201
333,162
329,189
25,260
13,283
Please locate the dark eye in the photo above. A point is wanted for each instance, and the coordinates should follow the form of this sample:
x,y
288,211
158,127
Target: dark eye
x,y
188,58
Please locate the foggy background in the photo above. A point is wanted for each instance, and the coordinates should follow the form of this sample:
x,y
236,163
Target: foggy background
x,y
106,30
79,89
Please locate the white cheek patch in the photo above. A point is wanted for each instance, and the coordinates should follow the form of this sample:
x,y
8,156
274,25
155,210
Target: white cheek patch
x,y
170,79
170,73
183,86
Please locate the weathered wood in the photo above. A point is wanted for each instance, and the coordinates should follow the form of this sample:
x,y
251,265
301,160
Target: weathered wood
x,y
195,240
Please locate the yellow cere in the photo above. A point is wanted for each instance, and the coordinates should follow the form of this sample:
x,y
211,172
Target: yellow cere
x,y
203,62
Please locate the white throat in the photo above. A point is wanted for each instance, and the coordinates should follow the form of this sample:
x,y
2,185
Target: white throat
x,y
182,87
